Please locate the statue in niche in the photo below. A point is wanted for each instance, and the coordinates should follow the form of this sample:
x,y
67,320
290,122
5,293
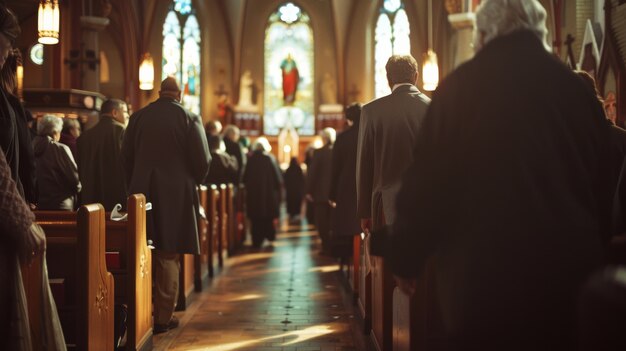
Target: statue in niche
x,y
291,78
246,90
328,90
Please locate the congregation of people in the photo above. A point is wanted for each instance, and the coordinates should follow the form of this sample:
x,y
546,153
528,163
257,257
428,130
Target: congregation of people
x,y
509,185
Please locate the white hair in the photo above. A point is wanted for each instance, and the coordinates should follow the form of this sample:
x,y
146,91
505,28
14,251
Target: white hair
x,y
230,131
496,18
329,135
262,144
49,125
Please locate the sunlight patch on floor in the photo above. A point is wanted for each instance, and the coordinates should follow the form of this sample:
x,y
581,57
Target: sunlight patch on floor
x,y
300,336
324,269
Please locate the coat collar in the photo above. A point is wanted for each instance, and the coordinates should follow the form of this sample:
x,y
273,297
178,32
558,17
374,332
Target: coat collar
x,y
406,88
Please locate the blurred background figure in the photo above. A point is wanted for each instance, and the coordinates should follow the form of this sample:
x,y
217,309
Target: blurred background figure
x,y
294,189
57,174
318,186
234,148
69,134
224,167
263,180
213,127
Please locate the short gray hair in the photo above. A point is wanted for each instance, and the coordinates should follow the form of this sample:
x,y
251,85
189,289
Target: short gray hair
x,y
262,144
328,135
48,125
496,18
230,130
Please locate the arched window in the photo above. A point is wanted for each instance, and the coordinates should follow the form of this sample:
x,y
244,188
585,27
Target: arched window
x,y
288,93
391,36
181,52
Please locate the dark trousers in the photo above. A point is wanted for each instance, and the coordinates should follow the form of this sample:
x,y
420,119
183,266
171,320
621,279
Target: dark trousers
x,y
262,228
322,222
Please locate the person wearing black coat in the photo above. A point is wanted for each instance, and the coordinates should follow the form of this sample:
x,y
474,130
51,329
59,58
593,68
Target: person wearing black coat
x,y
233,148
294,188
508,193
224,167
165,156
263,181
345,223
100,157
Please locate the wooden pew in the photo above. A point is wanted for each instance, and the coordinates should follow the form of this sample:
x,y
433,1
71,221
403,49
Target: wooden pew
x,y
186,281
201,261
355,272
233,243
134,277
242,227
382,286
76,253
417,323
222,238
365,289
214,227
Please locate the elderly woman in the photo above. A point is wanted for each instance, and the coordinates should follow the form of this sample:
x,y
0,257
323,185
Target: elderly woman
x,y
263,182
57,175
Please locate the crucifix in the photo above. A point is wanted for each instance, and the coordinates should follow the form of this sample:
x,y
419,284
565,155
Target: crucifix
x,y
354,93
220,91
570,60
81,57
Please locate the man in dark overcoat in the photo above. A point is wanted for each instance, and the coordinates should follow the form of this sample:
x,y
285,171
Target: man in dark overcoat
x,y
165,155
263,181
99,157
508,190
345,223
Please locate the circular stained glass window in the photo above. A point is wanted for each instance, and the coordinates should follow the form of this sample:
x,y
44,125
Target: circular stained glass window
x,y
36,54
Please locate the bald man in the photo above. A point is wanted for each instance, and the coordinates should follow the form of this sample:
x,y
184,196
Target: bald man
x,y
165,156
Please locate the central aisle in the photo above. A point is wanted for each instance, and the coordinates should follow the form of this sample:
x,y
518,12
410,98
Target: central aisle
x,y
285,297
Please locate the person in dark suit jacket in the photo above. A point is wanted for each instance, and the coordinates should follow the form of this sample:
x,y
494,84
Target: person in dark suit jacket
x,y
508,192
224,167
318,186
99,157
166,156
345,223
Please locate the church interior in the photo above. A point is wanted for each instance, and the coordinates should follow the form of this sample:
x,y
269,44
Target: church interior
x,y
284,70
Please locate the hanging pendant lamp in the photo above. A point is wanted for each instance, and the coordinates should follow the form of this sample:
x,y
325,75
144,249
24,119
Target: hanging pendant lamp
x,y
146,73
430,68
48,22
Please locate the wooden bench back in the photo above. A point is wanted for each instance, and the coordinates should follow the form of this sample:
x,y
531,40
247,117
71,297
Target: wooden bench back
x,y
134,278
201,262
214,225
76,253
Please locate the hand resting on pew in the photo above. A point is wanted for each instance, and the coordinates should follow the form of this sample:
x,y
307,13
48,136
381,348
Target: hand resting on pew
x,y
32,244
117,216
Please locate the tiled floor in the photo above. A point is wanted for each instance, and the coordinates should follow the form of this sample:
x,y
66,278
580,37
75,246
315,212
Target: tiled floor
x,y
286,297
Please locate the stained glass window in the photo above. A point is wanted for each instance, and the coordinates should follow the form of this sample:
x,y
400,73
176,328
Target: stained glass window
x,y
391,36
289,93
181,52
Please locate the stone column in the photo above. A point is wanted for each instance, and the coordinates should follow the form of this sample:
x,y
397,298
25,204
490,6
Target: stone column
x,y
462,20
90,67
463,23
